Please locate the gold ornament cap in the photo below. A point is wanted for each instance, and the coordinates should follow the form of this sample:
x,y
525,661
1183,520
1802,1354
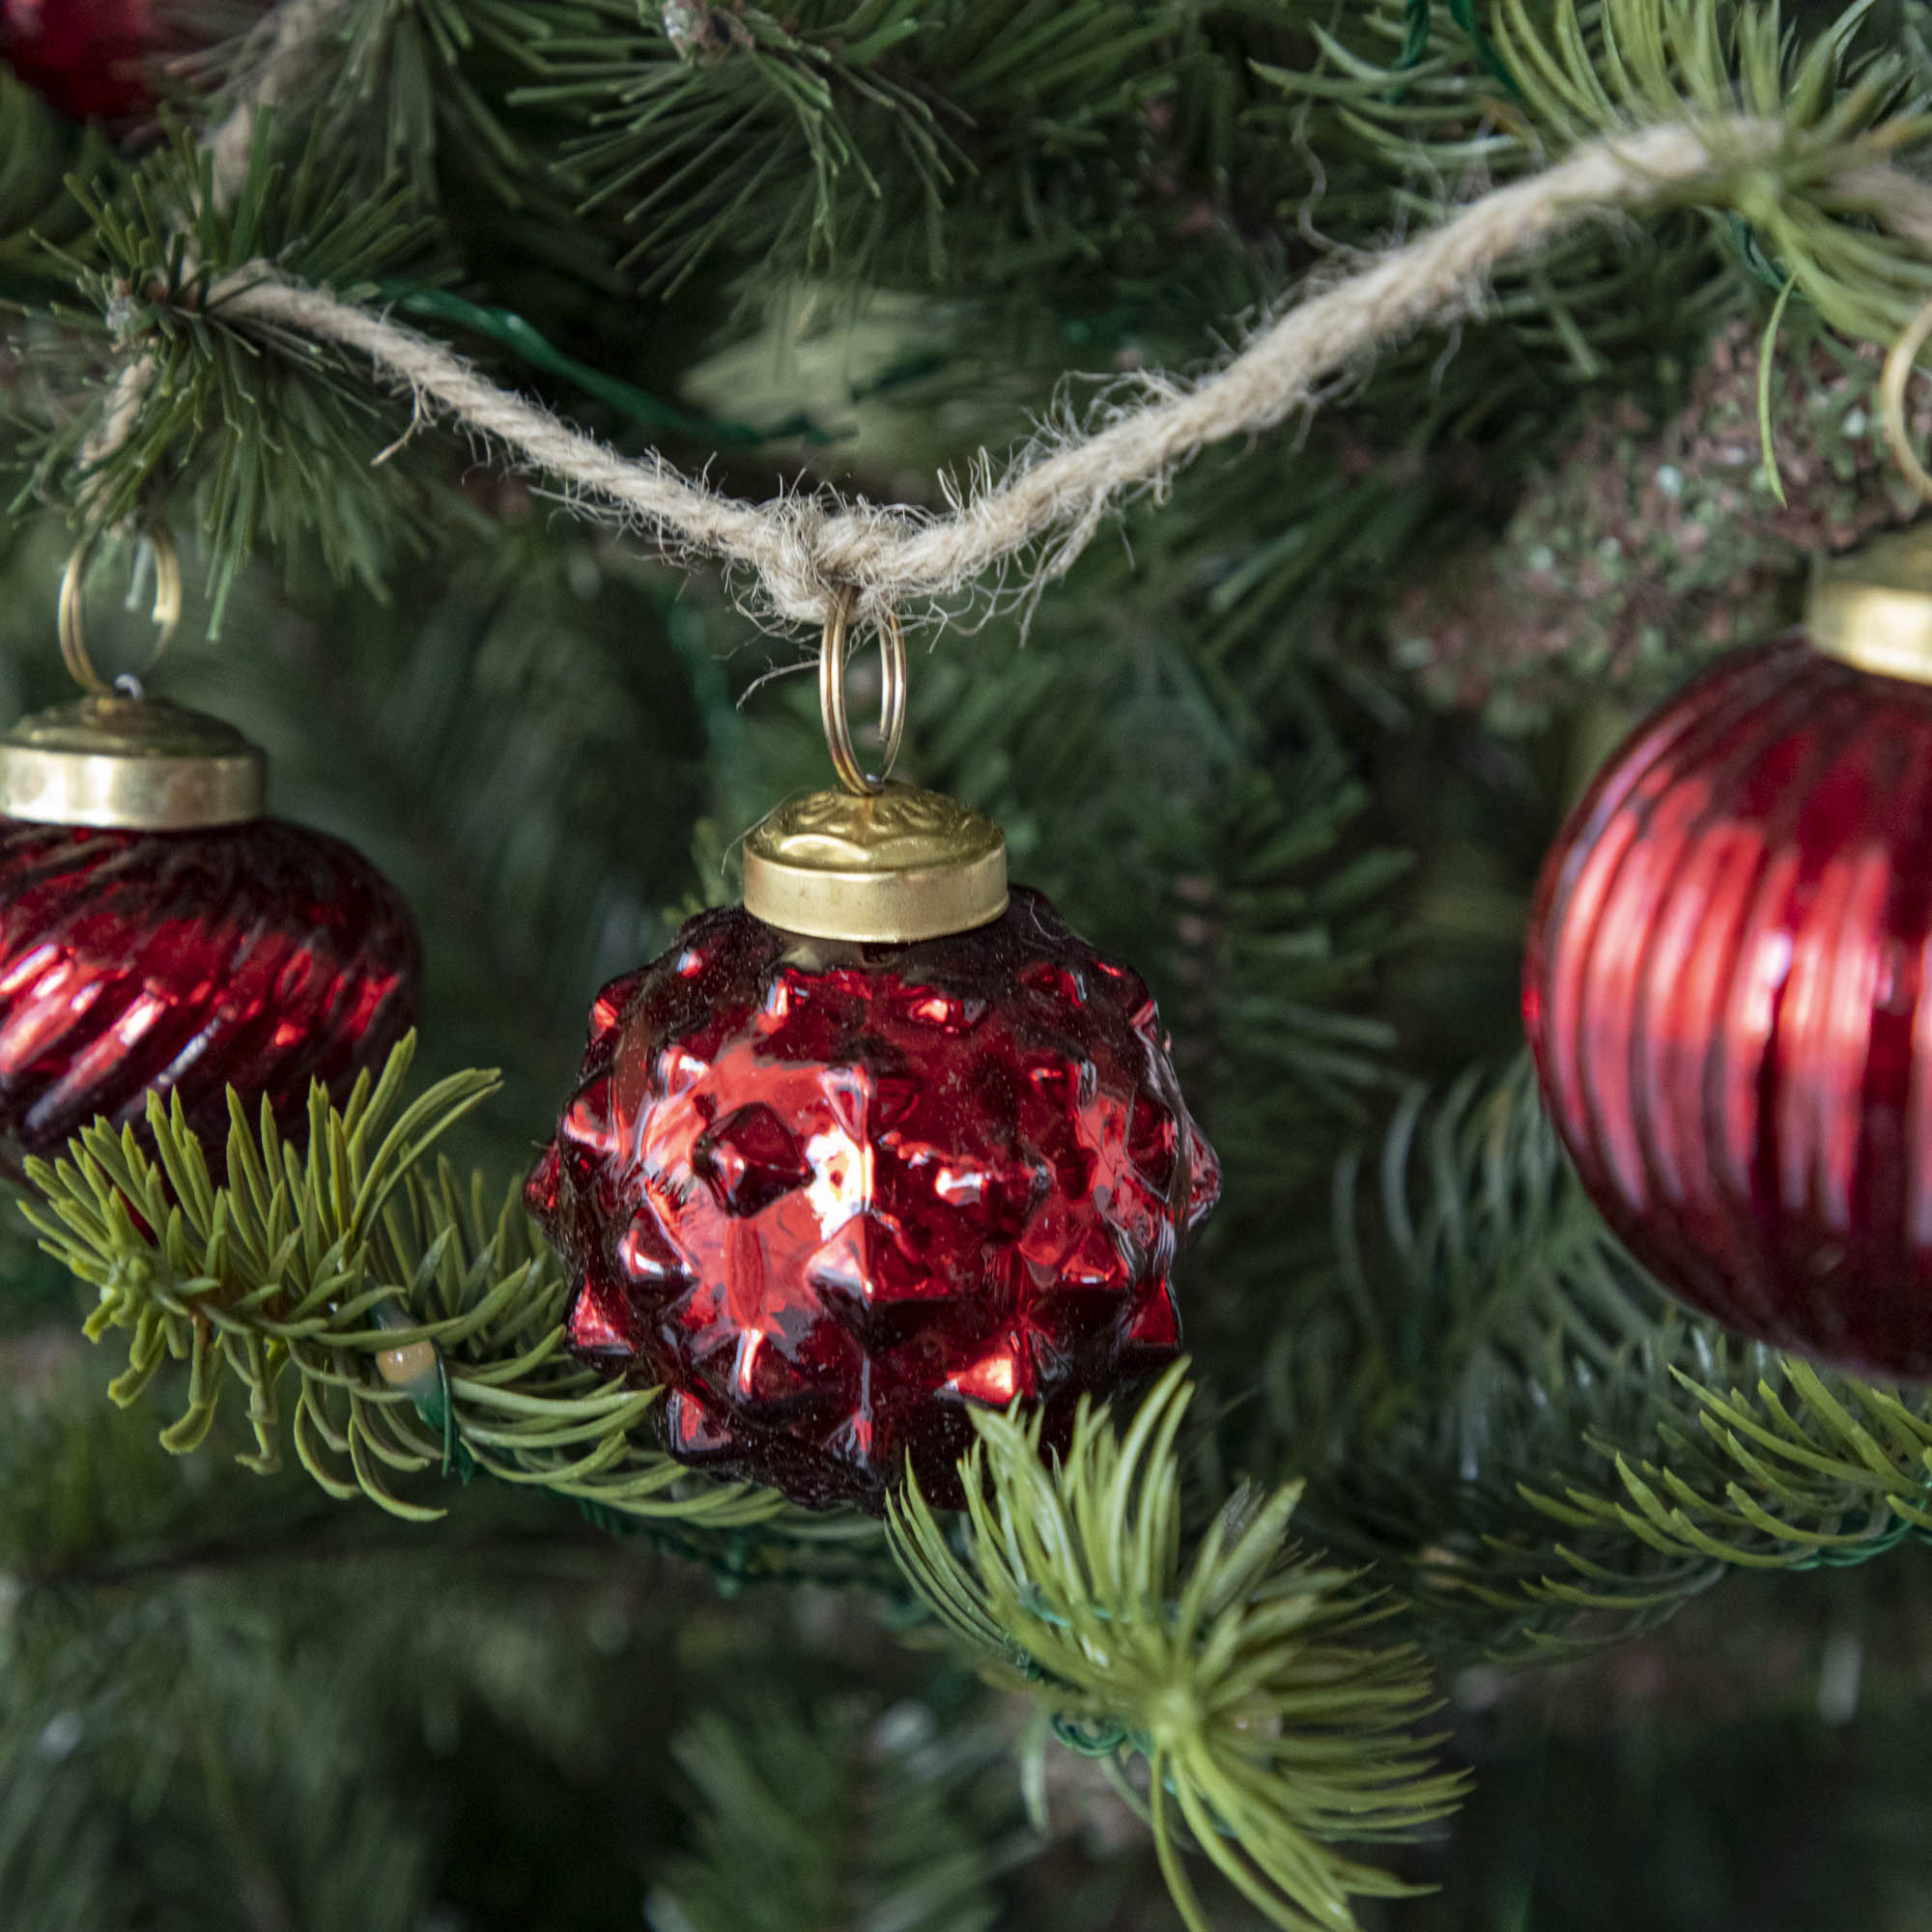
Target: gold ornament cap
x,y
1874,607
136,764
891,866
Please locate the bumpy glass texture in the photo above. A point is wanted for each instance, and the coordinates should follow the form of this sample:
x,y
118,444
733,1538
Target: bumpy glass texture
x,y
1727,989
263,955
830,1195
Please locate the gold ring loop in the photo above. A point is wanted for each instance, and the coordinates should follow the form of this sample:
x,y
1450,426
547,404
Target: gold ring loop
x,y
167,606
831,699
1898,366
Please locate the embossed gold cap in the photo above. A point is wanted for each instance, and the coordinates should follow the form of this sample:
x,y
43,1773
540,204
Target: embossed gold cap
x,y
1874,607
139,763
895,865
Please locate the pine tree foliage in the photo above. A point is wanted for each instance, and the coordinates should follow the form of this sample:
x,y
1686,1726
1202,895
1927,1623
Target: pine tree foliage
x,y
1549,1455
1016,123
1268,1724
1435,1361
227,1701
1562,73
1804,1469
1637,59
320,1264
36,151
406,71
843,1815
223,425
1493,1334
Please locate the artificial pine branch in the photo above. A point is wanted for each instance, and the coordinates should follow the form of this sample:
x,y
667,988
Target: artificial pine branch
x,y
843,1815
1807,1468
221,1708
409,72
713,113
1485,1329
858,139
37,151
267,437
1272,1726
321,1265
1574,73
1545,1454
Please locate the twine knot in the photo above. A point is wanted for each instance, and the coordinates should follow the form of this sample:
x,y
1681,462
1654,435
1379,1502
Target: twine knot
x,y
807,550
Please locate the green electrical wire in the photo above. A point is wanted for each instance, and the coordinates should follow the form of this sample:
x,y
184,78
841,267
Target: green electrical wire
x,y
1463,14
506,327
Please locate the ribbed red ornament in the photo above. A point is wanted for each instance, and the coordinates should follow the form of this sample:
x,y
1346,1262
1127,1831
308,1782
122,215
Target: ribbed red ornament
x,y
263,955
833,1194
1728,989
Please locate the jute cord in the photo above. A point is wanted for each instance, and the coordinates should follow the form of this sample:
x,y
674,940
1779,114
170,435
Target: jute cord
x,y
807,550
803,548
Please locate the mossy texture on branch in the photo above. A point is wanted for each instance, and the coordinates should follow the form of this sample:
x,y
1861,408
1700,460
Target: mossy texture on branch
x,y
1644,544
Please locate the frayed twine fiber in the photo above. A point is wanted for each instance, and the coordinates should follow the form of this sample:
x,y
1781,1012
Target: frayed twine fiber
x,y
806,550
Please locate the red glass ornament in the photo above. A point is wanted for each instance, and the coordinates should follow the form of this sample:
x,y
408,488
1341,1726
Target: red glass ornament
x,y
1726,990
261,956
830,1194
84,57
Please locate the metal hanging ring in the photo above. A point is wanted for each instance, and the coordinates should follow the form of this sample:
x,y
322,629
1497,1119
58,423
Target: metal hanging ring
x,y
1898,366
831,699
73,631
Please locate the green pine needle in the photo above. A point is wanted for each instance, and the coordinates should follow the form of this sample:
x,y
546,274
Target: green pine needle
x,y
1546,1455
249,433
313,1266
1493,1328
1808,1468
843,1815
1271,1728
1556,74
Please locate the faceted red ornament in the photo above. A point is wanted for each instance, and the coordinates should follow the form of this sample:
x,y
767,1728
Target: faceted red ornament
x,y
84,57
831,1194
1728,990
261,956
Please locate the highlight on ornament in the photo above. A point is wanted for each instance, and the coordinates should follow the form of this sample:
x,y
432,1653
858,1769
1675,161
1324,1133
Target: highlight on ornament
x,y
159,933
882,1145
1729,979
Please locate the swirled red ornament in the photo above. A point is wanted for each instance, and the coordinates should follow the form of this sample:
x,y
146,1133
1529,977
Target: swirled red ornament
x,y
832,1194
261,955
1728,991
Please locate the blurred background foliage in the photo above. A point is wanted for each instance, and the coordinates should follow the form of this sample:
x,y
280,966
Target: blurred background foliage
x,y
1293,740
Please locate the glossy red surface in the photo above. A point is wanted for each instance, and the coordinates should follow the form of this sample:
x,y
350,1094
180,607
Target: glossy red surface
x,y
84,56
264,956
1727,989
830,1195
